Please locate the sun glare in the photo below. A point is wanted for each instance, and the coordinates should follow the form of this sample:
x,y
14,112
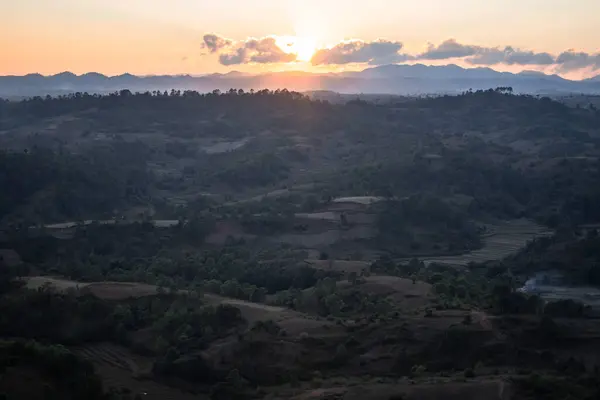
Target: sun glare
x,y
303,47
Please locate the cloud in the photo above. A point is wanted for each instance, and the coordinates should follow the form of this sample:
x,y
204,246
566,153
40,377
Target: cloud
x,y
266,50
448,49
238,56
478,55
571,60
510,56
356,51
215,43
262,51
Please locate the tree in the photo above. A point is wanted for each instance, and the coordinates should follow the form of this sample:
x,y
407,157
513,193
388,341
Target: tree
x,y
343,220
352,278
234,378
341,354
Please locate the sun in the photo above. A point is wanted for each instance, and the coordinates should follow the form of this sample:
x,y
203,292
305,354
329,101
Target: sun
x,y
303,46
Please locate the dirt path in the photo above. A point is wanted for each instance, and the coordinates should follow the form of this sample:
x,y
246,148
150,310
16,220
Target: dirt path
x,y
235,302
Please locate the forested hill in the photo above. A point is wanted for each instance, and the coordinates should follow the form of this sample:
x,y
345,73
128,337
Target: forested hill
x,y
248,245
82,155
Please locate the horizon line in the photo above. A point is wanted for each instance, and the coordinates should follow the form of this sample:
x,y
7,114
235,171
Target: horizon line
x,y
250,74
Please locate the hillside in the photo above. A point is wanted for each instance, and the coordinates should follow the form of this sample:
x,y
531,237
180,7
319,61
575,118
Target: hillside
x,y
250,245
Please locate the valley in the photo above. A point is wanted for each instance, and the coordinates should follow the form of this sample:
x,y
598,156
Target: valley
x,y
270,245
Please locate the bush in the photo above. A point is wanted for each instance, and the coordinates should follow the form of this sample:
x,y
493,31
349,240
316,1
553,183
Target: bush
x,y
469,373
418,370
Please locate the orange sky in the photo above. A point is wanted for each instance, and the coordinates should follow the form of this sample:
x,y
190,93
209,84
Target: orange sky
x,y
165,36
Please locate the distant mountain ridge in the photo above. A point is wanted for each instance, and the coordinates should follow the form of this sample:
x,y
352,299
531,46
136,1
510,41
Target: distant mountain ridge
x,y
385,79
594,79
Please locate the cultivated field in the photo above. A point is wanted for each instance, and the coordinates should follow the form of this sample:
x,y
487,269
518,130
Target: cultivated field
x,y
327,238
503,240
119,368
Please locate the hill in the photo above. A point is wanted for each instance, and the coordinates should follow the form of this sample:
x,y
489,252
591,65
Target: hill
x,y
248,245
386,79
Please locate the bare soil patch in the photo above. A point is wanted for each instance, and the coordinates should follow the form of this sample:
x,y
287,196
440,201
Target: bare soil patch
x,y
227,229
327,238
406,294
120,290
344,266
364,200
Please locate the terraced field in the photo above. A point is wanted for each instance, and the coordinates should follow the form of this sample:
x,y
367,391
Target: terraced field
x,y
112,355
119,368
503,240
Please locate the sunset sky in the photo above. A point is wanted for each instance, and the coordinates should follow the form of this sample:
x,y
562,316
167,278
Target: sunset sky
x,y
199,36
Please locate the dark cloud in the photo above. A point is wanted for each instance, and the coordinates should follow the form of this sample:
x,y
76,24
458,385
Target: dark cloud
x,y
215,43
448,49
509,56
262,51
571,60
357,51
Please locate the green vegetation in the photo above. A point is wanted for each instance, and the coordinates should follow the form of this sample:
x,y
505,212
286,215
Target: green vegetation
x,y
248,245
59,373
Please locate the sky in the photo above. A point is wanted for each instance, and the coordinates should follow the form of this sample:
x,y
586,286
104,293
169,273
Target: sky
x,y
149,37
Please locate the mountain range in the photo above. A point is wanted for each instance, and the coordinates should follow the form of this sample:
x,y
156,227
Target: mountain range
x,y
386,79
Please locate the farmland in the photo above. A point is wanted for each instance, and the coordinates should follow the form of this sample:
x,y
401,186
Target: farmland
x,y
268,246
501,241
